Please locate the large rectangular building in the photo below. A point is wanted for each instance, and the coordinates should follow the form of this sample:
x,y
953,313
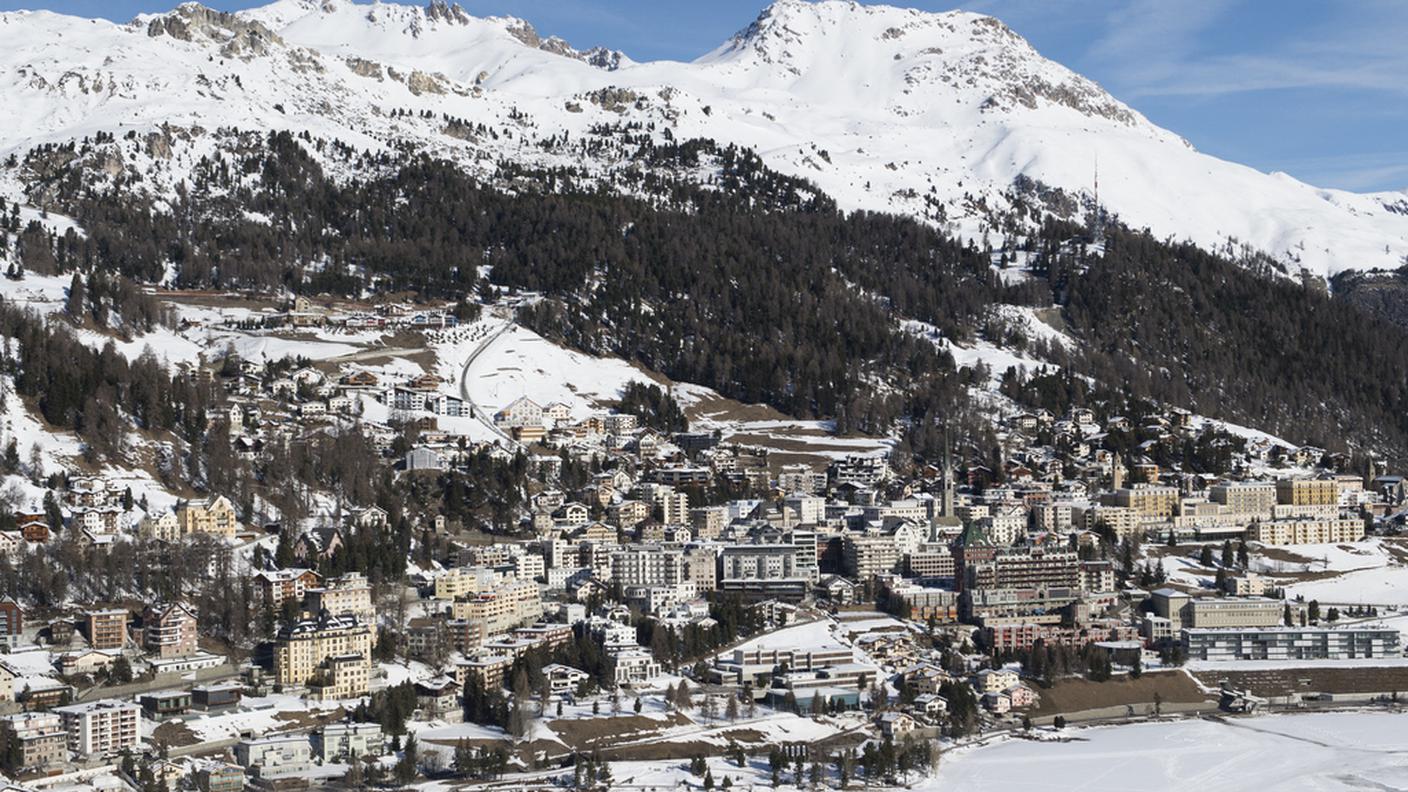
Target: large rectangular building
x,y
1290,643
867,556
1150,502
101,728
1245,497
1215,612
1310,531
1308,492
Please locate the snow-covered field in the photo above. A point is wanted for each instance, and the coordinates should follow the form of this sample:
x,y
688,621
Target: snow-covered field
x,y
1368,573
1320,752
522,363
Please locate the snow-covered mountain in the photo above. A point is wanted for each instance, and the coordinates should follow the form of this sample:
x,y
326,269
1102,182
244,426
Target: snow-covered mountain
x,y
884,108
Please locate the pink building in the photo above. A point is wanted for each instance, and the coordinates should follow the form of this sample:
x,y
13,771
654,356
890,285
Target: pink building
x,y
170,630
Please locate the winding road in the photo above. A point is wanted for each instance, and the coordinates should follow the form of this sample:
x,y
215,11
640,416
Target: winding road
x,y
475,410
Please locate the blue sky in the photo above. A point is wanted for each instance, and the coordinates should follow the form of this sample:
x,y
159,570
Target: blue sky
x,y
1315,88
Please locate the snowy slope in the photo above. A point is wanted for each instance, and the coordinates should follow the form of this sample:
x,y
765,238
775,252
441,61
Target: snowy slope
x,y
883,108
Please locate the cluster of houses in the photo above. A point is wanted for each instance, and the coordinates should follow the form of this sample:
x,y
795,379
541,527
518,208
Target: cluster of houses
x,y
1004,557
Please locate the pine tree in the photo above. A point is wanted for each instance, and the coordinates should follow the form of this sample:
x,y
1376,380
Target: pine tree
x,y
77,298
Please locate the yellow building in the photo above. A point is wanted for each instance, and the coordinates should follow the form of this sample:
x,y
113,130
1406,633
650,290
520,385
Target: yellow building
x,y
341,677
1245,497
214,515
464,581
1123,520
303,651
1149,501
1308,492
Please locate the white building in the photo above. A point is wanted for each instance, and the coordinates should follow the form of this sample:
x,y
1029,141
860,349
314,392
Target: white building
x,y
101,728
1291,643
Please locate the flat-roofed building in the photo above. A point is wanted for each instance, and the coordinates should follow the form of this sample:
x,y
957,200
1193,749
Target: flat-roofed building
x,y
1291,643
101,728
107,628
1148,500
38,737
1309,531
1244,497
866,556
1215,612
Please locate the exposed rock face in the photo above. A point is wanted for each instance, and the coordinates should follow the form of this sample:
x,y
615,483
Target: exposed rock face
x,y
615,100
421,83
441,11
238,38
365,68
603,58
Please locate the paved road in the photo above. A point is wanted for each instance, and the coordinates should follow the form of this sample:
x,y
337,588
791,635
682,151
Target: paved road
x,y
475,410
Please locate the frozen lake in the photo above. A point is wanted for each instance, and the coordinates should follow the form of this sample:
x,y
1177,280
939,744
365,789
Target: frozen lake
x,y
1322,752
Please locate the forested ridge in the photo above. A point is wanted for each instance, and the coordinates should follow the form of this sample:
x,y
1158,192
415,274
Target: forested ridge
x,y
755,284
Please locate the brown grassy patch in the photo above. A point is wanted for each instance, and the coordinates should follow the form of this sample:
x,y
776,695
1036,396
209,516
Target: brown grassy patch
x,y
1075,695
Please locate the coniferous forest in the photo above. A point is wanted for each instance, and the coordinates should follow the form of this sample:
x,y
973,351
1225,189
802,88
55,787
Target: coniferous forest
x,y
755,285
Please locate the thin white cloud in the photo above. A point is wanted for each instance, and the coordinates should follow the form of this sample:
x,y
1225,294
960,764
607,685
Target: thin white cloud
x,y
1158,48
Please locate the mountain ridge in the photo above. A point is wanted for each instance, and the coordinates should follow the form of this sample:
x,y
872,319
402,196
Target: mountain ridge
x,y
886,109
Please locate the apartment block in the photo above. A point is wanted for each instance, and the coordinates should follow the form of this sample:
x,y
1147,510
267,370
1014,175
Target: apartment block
x,y
1291,643
502,608
1322,531
40,738
866,556
170,631
1219,612
106,629
1245,497
101,728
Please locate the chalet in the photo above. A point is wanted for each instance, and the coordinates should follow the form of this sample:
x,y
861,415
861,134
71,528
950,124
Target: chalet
x,y
370,517
425,382
838,590
596,532
87,661
11,617
36,530
930,705
896,725
284,585
557,413
997,702
563,678
439,699
360,379
318,544
573,514
1021,696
